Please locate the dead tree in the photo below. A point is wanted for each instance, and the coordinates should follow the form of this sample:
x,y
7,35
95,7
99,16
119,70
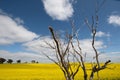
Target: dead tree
x,y
78,50
81,61
93,29
97,67
63,55
63,51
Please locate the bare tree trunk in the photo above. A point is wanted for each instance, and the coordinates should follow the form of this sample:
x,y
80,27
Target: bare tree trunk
x,y
97,69
81,58
92,75
84,69
69,78
85,74
62,56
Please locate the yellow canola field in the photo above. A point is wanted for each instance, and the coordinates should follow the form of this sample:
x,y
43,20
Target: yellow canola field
x,y
51,72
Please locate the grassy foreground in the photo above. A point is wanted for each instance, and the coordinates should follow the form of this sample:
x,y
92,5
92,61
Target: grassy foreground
x,y
50,72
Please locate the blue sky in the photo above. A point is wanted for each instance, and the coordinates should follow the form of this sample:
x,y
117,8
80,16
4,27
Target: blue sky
x,y
24,26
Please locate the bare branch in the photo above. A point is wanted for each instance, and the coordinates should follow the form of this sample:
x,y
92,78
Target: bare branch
x,y
49,45
51,59
89,26
57,44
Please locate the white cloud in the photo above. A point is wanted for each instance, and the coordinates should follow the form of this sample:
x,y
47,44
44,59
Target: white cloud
x,y
2,12
113,56
23,56
86,46
39,46
102,34
26,56
58,9
114,19
19,21
12,31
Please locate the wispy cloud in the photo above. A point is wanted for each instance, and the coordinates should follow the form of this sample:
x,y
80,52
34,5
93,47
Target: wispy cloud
x,y
39,46
13,30
19,21
27,56
114,56
23,56
102,34
114,19
58,9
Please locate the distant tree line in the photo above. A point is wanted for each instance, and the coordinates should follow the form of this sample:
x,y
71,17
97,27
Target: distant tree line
x,y
10,61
